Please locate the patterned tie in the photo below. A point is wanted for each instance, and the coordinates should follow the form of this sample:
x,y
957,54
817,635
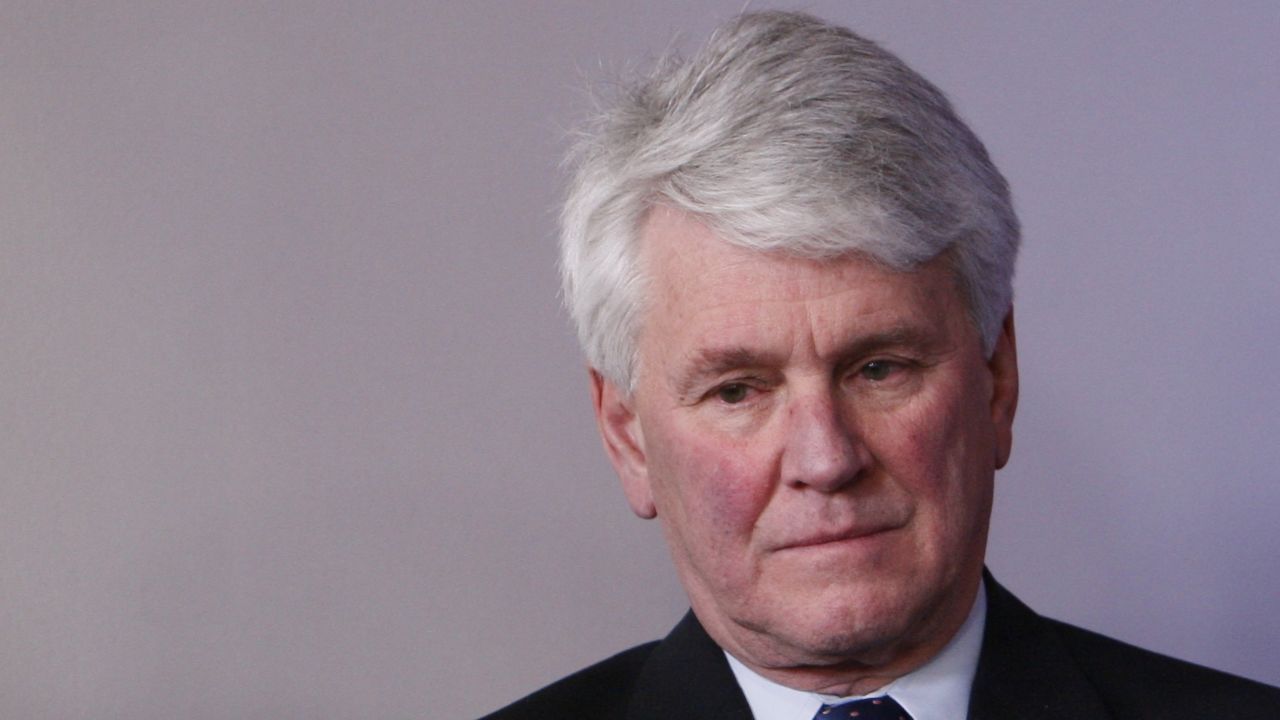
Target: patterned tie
x,y
880,708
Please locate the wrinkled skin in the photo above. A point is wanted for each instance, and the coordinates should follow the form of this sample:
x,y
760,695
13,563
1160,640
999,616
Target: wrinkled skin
x,y
819,441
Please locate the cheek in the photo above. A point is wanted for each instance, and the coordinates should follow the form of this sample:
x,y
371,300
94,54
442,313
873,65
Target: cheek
x,y
953,473
936,450
712,488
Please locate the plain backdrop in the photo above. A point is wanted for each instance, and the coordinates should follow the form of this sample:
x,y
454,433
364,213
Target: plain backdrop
x,y
293,425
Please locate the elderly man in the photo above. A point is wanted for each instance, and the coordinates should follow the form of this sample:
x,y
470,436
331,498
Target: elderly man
x,y
790,267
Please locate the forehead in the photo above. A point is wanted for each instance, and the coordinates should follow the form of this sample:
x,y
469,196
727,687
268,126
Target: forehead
x,y
700,285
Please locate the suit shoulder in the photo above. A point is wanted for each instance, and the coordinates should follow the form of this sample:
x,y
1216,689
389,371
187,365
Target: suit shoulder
x,y
598,691
1139,683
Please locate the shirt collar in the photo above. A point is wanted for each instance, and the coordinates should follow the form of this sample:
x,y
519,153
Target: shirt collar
x,y
937,690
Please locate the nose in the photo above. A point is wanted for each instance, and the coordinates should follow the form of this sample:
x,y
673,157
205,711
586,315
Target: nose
x,y
822,450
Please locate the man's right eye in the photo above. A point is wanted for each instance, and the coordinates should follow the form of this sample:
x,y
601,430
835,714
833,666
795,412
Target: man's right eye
x,y
732,393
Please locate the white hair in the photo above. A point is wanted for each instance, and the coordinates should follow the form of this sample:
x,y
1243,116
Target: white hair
x,y
784,134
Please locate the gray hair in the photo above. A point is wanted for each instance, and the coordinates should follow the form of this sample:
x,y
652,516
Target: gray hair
x,y
783,134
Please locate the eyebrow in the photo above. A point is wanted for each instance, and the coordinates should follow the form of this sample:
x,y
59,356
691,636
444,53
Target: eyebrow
x,y
710,362
900,336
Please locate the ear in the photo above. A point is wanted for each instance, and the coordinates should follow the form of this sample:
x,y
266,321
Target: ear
x,y
623,442
1004,389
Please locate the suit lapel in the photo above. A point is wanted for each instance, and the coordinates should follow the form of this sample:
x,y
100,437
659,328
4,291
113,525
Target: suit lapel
x,y
1025,671
687,678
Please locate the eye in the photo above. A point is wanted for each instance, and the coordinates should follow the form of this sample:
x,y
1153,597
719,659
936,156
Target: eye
x,y
879,370
732,393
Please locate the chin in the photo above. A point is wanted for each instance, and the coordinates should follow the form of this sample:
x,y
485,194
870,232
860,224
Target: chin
x,y
860,634
858,626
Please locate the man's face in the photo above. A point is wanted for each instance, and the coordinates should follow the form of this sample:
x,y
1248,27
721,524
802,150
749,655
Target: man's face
x,y
819,441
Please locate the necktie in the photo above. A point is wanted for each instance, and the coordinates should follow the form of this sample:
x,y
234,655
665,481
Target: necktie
x,y
879,708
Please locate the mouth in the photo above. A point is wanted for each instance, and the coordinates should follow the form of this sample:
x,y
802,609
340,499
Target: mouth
x,y
838,537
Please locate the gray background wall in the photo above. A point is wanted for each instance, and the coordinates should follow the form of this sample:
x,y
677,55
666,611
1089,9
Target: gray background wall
x,y
293,426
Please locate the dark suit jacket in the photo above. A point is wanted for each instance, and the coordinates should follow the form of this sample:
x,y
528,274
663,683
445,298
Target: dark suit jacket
x,y
1030,668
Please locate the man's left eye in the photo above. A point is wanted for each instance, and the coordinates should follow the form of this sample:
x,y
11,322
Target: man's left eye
x,y
733,393
878,370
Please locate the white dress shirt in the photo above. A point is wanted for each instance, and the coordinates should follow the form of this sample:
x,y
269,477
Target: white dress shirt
x,y
937,690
